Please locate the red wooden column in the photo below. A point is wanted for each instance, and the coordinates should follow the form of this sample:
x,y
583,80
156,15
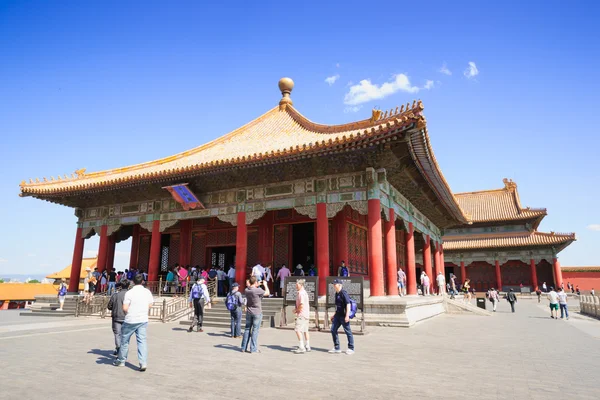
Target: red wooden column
x,y
135,245
185,238
102,249
241,249
322,247
411,268
375,247
463,271
427,256
391,261
437,260
341,237
154,262
442,262
557,272
76,263
498,276
110,254
534,281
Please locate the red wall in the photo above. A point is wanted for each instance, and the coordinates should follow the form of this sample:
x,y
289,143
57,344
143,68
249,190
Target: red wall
x,y
585,280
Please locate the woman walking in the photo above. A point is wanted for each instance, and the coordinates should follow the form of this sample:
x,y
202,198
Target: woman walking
x,y
62,293
466,289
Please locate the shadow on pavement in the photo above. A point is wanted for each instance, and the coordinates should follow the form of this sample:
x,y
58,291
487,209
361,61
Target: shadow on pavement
x,y
228,347
223,334
180,329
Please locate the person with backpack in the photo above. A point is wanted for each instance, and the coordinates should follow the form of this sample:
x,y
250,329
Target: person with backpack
x,y
511,297
299,271
199,297
115,305
343,270
343,313
234,304
312,271
62,293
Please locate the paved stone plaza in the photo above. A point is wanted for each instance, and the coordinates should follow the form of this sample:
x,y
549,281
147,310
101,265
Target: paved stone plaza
x,y
525,355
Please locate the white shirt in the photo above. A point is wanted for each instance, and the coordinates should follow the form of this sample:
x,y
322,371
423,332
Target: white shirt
x,y
231,273
441,281
553,297
562,297
138,298
258,271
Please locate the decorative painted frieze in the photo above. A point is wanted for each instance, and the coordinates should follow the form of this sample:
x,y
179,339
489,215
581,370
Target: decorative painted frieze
x,y
502,256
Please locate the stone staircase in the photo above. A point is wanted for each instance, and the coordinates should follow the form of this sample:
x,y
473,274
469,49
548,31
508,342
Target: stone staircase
x,y
47,306
458,306
219,317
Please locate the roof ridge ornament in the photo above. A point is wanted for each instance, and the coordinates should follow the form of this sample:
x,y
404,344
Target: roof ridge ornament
x,y
509,184
285,85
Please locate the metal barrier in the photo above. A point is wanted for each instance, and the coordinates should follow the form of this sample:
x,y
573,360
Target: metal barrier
x,y
95,306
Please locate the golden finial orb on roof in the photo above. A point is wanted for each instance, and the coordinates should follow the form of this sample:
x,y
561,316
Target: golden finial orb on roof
x,y
285,85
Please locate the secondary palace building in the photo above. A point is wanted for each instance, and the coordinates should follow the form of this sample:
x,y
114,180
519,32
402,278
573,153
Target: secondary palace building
x,y
501,247
280,189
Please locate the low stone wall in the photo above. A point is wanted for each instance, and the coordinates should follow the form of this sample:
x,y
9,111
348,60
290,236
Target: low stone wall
x,y
590,305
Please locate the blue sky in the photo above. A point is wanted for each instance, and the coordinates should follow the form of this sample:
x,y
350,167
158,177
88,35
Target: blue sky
x,y
102,84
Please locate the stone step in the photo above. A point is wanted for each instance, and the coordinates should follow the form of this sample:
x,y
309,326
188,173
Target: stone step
x,y
47,313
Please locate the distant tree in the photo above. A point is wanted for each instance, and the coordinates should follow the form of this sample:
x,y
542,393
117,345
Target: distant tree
x,y
1,280
34,281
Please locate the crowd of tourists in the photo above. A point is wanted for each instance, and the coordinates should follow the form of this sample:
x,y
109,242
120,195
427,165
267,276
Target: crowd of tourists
x,y
131,301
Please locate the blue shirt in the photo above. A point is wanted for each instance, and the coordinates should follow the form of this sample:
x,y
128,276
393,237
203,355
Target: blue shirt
x,y
341,301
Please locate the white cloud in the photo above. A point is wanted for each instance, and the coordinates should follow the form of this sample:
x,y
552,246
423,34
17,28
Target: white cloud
x,y
444,70
351,109
366,91
594,227
2,260
330,80
429,85
471,71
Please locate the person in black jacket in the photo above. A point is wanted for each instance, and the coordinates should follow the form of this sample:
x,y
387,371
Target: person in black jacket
x,y
115,305
512,299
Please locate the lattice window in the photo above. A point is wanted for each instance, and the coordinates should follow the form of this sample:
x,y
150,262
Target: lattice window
x,y
198,248
252,255
213,259
482,275
281,242
516,272
400,250
164,258
144,253
545,273
174,250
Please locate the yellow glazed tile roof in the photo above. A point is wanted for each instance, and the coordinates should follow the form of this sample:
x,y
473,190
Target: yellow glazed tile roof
x,y
276,134
504,240
497,205
66,272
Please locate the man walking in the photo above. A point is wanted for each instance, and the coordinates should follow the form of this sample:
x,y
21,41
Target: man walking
x,y
221,279
562,302
136,304
199,297
401,282
512,299
441,283
234,305
302,317
553,298
341,318
112,282
231,276
283,273
453,285
115,305
254,296
425,283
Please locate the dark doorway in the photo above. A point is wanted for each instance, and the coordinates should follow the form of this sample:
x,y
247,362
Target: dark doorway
x,y
303,245
222,257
